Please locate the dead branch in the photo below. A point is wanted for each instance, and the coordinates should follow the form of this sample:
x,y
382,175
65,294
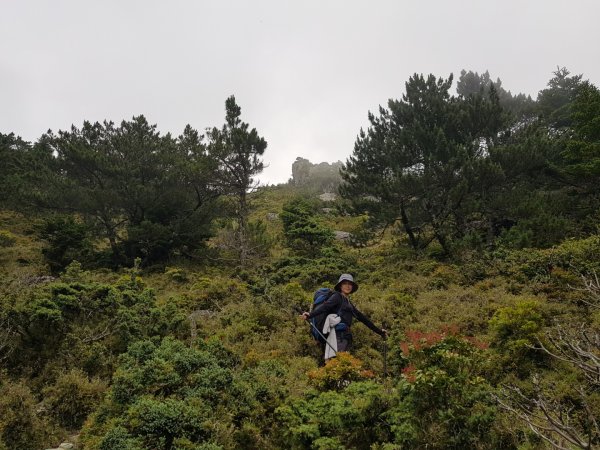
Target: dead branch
x,y
580,347
6,333
98,336
591,286
548,419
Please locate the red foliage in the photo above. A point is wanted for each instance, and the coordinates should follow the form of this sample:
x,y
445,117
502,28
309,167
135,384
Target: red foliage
x,y
409,373
450,330
418,340
404,347
477,343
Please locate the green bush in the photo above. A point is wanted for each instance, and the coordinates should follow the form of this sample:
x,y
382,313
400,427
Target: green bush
x,y
540,231
290,296
517,325
158,422
58,317
166,233
165,393
442,399
120,438
20,424
442,277
514,333
577,255
176,274
258,240
215,292
348,418
311,272
303,232
263,393
72,397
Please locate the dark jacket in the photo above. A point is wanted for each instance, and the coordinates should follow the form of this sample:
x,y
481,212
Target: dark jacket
x,y
341,305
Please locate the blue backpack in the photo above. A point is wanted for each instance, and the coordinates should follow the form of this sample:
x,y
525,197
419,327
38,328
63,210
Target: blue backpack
x,y
319,297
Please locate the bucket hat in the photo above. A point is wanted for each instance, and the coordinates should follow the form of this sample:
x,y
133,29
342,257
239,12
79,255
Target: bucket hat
x,y
346,277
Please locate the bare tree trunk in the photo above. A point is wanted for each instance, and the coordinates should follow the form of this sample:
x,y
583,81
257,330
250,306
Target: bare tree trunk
x,y
242,232
411,236
489,241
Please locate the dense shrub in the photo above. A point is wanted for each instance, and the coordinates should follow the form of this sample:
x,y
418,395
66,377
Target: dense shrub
x,y
312,272
290,296
514,333
347,418
579,256
72,397
214,293
442,400
256,242
61,316
165,392
304,233
20,424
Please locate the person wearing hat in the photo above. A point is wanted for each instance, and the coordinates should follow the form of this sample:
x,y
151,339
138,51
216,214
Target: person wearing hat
x,y
339,303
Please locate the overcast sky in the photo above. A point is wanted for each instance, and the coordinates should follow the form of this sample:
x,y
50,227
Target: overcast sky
x,y
305,73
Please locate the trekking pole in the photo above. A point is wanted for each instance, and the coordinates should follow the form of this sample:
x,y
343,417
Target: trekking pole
x,y
386,380
321,334
384,358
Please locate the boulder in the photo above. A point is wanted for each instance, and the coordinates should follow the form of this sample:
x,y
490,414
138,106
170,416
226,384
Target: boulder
x,y
342,235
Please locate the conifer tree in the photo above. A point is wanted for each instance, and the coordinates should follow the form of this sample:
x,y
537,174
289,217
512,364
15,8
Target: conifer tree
x,y
148,194
238,151
419,161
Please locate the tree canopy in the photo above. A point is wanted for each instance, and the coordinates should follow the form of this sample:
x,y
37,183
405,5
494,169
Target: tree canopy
x,y
470,168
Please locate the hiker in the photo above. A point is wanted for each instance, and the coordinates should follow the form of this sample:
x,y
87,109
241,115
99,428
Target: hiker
x,y
338,304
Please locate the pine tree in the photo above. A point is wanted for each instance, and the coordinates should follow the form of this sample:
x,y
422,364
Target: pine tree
x,y
238,151
418,162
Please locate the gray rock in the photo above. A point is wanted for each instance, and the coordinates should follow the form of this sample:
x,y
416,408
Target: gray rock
x,y
328,197
342,235
63,446
41,279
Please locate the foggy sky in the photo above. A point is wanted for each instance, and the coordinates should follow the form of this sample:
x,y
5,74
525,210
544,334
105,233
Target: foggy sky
x,y
305,73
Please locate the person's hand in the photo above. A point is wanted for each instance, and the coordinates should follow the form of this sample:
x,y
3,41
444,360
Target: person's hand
x,y
305,315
